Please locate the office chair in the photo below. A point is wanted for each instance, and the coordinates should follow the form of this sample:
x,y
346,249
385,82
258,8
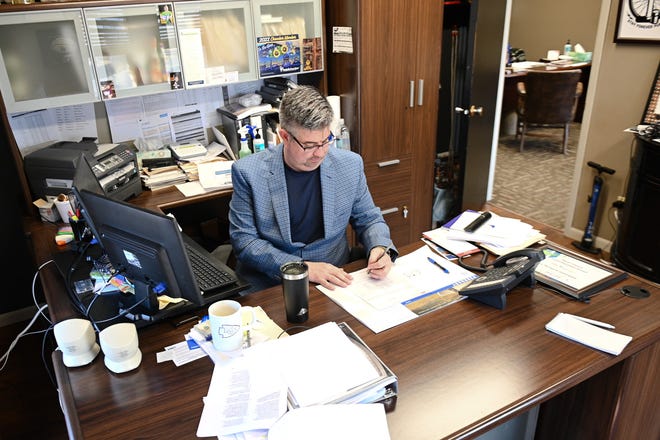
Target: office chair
x,y
547,99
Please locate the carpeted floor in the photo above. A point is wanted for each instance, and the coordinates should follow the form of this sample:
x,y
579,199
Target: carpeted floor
x,y
537,182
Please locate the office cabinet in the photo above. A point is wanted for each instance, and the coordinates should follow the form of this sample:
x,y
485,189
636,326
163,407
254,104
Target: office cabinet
x,y
388,79
135,49
45,60
286,17
289,36
210,54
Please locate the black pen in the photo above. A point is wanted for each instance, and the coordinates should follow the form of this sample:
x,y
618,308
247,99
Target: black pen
x,y
387,250
444,269
478,222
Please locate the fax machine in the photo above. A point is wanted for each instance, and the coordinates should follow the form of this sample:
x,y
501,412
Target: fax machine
x,y
55,169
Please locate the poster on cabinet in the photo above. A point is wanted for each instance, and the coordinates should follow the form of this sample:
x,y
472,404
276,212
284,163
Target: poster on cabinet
x,y
279,55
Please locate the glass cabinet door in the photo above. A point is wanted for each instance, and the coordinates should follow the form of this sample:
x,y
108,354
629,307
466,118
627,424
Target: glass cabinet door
x,y
217,42
135,49
289,36
45,60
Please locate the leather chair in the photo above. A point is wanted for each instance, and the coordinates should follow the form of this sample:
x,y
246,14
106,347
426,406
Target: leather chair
x,y
547,99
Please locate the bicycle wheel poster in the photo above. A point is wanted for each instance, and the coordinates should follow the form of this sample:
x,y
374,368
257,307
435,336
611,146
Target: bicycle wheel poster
x,y
638,21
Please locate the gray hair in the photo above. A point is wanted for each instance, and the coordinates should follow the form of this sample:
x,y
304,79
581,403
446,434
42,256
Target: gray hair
x,y
305,107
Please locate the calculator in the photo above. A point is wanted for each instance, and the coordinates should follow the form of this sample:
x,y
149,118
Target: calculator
x,y
188,151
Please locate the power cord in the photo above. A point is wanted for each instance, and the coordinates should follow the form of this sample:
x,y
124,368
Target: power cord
x,y
34,293
293,327
5,357
483,264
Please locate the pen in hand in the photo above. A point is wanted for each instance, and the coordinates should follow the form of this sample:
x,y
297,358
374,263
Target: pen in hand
x,y
385,252
444,269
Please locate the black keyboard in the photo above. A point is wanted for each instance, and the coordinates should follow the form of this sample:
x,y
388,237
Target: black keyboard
x,y
208,275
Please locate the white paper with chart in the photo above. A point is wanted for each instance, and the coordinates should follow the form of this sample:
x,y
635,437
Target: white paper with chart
x,y
413,287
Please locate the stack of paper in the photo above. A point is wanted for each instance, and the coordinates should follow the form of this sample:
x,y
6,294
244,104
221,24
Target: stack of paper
x,y
499,235
157,178
575,328
327,364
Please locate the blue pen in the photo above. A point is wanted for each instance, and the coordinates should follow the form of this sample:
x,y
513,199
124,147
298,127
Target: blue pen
x,y
444,269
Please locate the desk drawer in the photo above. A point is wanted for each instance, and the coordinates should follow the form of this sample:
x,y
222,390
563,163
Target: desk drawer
x,y
390,183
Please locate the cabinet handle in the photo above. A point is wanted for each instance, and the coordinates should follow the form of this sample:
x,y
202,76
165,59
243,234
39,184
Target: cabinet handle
x,y
420,93
387,163
412,94
389,211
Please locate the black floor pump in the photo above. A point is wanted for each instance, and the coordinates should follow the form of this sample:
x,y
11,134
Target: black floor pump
x,y
587,243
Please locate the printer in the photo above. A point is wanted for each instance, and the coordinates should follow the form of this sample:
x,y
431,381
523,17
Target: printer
x,y
112,171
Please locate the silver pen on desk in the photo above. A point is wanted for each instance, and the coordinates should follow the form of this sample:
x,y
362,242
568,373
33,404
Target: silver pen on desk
x,y
592,321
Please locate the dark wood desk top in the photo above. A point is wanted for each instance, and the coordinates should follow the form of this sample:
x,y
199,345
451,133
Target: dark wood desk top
x,y
42,234
171,197
462,369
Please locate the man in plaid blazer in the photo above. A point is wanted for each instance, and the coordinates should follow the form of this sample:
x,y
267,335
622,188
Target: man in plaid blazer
x,y
293,202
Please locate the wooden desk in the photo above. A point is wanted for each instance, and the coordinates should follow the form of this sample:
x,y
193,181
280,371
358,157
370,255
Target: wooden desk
x,y
188,210
462,370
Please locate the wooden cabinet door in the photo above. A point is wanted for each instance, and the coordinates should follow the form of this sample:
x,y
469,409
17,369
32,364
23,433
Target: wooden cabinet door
x,y
389,91
429,45
387,70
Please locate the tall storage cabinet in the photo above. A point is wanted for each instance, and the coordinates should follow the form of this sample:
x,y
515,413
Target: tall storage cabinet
x,y
389,88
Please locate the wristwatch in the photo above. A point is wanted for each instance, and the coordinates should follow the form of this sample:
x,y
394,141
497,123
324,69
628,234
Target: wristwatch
x,y
391,252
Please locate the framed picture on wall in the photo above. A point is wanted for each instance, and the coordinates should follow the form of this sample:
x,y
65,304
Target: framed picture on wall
x,y
638,22
652,112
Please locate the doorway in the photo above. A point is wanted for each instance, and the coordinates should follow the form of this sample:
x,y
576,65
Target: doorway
x,y
468,114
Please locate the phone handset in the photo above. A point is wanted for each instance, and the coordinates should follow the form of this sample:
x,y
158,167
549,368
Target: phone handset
x,y
505,273
519,255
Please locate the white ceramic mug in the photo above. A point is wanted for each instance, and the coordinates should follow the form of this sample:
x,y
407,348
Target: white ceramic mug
x,y
228,321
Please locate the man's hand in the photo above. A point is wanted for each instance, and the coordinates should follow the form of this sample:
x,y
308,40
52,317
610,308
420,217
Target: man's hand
x,y
328,275
379,264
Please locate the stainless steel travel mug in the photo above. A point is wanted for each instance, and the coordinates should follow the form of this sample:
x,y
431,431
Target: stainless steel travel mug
x,y
295,285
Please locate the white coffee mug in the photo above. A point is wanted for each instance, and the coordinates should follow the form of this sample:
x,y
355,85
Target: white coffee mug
x,y
228,321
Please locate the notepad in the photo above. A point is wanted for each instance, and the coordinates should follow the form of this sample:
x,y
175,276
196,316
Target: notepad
x,y
595,337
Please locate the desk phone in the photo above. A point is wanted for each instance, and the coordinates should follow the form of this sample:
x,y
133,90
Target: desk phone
x,y
505,273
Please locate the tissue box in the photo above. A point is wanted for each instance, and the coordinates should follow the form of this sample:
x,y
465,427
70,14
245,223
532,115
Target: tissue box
x,y
47,210
581,56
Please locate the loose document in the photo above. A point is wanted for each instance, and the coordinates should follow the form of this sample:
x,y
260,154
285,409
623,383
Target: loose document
x,y
249,393
413,287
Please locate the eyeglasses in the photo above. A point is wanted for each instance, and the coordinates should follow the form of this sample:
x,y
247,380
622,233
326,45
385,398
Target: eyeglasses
x,y
328,141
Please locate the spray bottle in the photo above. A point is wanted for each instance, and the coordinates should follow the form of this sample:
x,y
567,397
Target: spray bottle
x,y
245,148
257,141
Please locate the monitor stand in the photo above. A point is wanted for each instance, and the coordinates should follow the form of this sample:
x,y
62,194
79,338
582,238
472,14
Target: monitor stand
x,y
142,305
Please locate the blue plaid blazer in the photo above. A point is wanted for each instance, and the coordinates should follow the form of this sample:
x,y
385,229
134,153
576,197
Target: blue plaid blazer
x,y
259,226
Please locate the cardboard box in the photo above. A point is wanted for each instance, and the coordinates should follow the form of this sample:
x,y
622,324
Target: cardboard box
x,y
47,210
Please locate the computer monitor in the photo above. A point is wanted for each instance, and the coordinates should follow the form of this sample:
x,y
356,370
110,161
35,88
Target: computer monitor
x,y
144,246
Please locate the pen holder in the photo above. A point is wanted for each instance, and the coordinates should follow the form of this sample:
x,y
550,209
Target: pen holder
x,y
80,230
